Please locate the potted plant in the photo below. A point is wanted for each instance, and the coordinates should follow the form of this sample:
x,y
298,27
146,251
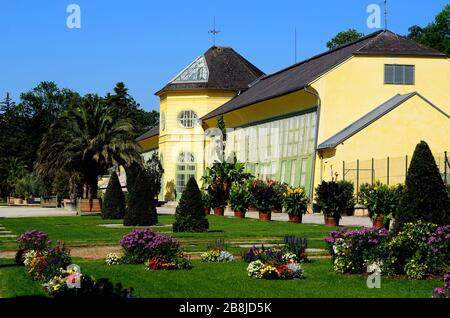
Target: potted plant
x,y
347,197
295,203
206,202
381,201
263,197
280,189
329,199
239,199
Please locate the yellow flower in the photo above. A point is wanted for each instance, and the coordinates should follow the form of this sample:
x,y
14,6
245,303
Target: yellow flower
x,y
56,287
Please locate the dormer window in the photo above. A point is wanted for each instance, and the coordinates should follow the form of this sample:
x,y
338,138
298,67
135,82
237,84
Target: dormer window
x,y
187,118
399,74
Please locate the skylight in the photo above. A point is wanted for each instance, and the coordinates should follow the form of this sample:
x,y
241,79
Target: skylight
x,y
197,71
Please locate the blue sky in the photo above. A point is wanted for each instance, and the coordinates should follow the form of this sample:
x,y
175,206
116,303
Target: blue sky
x,y
145,43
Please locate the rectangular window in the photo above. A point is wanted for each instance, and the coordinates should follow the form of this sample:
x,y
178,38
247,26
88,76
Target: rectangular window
x,y
399,74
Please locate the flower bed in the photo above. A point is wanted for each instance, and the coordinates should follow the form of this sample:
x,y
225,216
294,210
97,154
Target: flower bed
x,y
266,263
418,250
445,291
217,254
144,244
181,261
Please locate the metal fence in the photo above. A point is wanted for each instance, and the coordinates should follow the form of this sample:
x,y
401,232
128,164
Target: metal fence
x,y
388,170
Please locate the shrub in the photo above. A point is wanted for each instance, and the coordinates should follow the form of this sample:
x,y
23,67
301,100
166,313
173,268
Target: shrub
x,y
382,200
113,259
295,201
331,198
353,250
143,244
280,190
409,243
189,215
240,197
425,197
141,208
113,206
264,195
57,257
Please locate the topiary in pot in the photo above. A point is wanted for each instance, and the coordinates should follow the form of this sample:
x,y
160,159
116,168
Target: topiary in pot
x,y
425,196
114,199
189,215
329,198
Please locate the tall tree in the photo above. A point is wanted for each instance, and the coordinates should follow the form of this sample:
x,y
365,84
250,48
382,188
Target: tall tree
x,y
436,34
344,37
87,140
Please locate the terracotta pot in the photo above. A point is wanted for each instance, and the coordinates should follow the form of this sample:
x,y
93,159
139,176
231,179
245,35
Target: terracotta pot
x,y
18,201
206,210
219,211
85,206
295,218
239,214
331,220
379,222
265,215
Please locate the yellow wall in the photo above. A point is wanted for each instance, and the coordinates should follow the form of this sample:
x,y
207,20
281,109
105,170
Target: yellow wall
x,y
395,135
353,89
174,138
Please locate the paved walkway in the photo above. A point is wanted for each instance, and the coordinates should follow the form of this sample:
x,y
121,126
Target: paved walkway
x,y
15,212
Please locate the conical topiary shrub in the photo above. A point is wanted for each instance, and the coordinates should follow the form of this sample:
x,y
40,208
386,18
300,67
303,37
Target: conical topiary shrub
x,y
189,215
141,208
114,199
425,197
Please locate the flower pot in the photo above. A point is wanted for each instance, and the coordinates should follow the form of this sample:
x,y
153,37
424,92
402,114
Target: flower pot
x,y
206,210
239,214
379,222
293,218
331,220
17,201
265,215
84,206
219,211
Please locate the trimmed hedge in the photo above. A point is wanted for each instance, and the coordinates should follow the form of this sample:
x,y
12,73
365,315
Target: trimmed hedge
x,y
114,199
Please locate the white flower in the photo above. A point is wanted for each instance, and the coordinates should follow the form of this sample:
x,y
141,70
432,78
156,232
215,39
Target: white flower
x,y
289,257
112,259
297,270
254,268
225,257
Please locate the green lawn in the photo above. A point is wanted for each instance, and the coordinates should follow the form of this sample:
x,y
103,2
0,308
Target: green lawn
x,y
76,231
225,280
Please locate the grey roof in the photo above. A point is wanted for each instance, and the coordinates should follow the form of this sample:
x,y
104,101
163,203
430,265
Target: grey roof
x,y
228,70
299,75
369,118
154,131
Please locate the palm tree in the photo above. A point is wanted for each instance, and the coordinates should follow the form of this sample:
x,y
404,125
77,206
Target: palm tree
x,y
86,140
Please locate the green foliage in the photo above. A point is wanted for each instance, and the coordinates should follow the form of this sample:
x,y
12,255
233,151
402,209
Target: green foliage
x,y
12,170
425,196
382,200
240,197
189,215
219,177
29,185
141,209
264,196
295,201
332,198
343,38
113,206
87,140
155,171
280,190
436,34
348,197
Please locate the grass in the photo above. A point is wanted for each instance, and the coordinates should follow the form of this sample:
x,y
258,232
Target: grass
x,y
225,280
79,231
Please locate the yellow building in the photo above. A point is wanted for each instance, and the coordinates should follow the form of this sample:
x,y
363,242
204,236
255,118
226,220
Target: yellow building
x,y
374,98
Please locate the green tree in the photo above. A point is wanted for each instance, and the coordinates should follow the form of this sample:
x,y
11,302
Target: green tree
x,y
344,37
189,215
436,34
425,196
141,209
114,199
86,140
13,170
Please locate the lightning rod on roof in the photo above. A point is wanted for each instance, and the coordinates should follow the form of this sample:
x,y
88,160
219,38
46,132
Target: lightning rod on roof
x,y
385,15
214,32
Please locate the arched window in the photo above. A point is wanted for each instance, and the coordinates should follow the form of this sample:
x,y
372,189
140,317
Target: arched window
x,y
187,118
186,169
